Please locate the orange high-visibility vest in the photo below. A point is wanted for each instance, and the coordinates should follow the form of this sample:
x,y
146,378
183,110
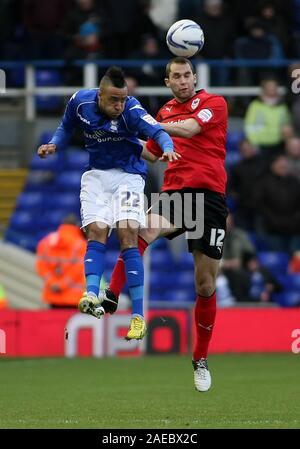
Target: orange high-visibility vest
x,y
3,300
60,262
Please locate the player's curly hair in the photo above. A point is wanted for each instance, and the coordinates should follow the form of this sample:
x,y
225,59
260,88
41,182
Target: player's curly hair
x,y
116,76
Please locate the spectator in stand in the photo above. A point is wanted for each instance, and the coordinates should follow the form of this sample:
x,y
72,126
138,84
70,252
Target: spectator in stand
x,y
163,14
243,13
275,23
124,23
237,245
219,31
292,149
82,28
258,44
268,120
189,8
60,264
225,297
242,180
43,22
148,74
278,199
261,283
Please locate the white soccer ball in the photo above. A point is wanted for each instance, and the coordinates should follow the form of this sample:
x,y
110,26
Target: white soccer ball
x,y
185,38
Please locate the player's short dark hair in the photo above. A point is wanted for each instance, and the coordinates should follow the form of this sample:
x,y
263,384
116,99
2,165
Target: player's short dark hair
x,y
178,60
115,76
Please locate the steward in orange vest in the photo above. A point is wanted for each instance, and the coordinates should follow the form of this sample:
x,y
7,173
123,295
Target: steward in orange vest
x,y
60,262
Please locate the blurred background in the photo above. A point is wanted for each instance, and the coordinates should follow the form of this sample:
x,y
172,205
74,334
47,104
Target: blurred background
x,y
48,50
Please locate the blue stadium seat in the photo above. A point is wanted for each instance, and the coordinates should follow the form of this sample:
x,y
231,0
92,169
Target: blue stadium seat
x,y
161,259
156,296
76,160
277,262
69,181
185,262
233,140
290,281
232,158
46,77
52,219
40,180
162,281
288,298
69,202
185,279
29,200
180,295
24,221
26,241
258,241
51,163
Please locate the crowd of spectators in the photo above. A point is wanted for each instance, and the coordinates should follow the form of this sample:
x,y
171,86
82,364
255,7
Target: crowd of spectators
x,y
259,29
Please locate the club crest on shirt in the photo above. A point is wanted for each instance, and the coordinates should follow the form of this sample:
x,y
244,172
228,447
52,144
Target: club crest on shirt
x,y
195,103
114,126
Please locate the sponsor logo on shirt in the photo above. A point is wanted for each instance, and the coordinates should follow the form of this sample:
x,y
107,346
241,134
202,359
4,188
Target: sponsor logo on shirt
x,y
176,121
195,103
84,120
205,115
99,136
149,119
168,108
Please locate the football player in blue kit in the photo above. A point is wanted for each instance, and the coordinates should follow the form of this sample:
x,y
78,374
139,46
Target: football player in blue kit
x,y
112,187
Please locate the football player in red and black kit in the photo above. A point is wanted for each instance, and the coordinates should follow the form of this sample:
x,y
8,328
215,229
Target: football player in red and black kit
x,y
197,121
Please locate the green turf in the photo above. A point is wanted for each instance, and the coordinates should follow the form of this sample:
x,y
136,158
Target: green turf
x,y
249,391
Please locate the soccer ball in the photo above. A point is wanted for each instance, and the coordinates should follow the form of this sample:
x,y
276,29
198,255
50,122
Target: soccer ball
x,y
185,38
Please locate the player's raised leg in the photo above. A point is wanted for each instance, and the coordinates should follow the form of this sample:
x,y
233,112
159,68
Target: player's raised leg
x,y
206,270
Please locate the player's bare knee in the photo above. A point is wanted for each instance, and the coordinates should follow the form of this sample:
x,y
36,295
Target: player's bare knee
x,y
128,238
97,233
205,290
205,287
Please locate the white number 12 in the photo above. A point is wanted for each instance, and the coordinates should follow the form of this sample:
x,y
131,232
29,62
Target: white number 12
x,y
217,237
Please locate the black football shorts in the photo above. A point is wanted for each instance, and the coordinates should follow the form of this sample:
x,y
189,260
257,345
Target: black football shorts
x,y
199,212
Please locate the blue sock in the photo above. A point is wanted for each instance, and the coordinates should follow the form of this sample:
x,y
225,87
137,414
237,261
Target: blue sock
x,y
134,270
94,266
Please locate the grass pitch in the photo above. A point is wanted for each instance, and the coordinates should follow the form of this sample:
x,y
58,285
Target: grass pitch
x,y
249,391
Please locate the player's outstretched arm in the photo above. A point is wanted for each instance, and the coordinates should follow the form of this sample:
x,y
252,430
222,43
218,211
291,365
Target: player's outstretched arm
x,y
186,129
44,150
149,157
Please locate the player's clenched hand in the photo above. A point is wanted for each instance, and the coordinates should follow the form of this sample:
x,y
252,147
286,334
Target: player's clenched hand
x,y
44,150
170,156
